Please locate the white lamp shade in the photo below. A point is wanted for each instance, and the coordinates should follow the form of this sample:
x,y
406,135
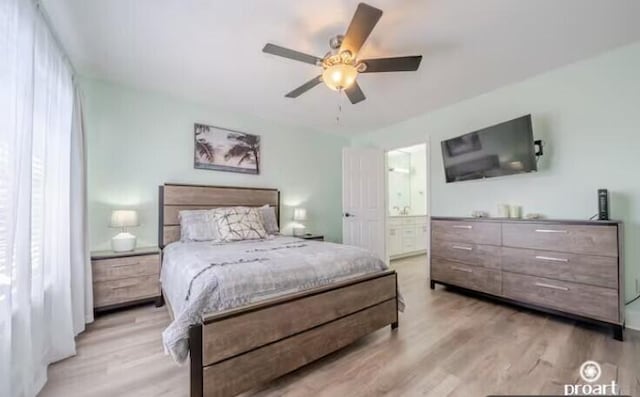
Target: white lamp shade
x,y
299,214
124,218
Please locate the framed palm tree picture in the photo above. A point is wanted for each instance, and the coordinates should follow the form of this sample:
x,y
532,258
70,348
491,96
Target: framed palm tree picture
x,y
222,149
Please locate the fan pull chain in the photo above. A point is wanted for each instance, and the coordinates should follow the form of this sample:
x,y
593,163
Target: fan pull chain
x,y
339,107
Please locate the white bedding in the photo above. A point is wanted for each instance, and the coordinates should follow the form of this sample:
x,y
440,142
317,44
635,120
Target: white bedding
x,y
205,277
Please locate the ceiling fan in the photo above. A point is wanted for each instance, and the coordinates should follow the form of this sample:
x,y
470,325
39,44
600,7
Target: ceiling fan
x,y
341,65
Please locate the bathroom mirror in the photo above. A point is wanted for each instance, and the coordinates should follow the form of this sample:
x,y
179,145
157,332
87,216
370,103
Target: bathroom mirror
x,y
406,181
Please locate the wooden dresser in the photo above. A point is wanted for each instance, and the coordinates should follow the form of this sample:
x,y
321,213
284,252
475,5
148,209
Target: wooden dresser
x,y
125,278
572,268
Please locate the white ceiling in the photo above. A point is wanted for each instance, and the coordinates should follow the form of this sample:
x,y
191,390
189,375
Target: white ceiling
x,y
210,51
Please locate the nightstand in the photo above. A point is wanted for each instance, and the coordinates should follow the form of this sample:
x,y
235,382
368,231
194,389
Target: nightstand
x,y
125,278
318,237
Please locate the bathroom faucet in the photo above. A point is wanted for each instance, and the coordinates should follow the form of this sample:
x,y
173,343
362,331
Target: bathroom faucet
x,y
405,210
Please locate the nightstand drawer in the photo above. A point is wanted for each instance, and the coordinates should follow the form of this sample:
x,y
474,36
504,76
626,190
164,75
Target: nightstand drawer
x,y
125,290
126,267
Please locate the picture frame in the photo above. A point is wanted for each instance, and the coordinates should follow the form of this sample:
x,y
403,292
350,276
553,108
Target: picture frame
x,y
223,149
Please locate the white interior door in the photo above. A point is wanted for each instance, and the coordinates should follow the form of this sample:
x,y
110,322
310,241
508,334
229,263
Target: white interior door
x,y
363,205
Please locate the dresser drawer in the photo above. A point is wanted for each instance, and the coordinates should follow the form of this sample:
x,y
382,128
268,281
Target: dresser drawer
x,y
474,254
590,240
586,300
467,232
125,290
594,270
131,266
462,275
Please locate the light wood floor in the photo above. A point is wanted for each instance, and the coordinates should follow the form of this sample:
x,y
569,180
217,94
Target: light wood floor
x,y
448,344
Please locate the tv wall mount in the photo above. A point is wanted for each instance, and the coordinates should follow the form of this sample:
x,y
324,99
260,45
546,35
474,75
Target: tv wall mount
x,y
538,147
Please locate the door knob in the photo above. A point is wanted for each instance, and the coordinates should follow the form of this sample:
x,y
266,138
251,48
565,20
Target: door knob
x,y
347,215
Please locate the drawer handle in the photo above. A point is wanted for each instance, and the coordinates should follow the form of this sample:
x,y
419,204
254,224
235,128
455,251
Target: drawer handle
x,y
551,286
124,286
462,227
461,269
550,231
124,264
551,258
460,247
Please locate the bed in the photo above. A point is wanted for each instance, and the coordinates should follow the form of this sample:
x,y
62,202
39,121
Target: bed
x,y
240,333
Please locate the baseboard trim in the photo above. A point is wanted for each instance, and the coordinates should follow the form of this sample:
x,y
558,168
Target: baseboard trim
x,y
632,317
408,255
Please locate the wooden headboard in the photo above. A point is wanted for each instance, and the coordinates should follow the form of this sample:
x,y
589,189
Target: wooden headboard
x,y
177,197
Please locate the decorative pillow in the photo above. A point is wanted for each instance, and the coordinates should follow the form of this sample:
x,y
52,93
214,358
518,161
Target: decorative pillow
x,y
269,220
198,225
239,223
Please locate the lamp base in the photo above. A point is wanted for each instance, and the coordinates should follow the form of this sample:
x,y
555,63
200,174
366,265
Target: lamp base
x,y
123,242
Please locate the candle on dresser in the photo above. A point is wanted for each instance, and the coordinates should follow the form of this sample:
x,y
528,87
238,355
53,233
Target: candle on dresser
x,y
503,210
515,211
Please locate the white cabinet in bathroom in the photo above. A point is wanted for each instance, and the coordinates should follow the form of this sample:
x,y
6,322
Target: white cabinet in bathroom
x,y
394,241
422,235
406,235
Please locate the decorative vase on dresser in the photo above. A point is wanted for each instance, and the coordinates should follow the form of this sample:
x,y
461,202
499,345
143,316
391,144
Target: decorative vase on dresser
x,y
570,268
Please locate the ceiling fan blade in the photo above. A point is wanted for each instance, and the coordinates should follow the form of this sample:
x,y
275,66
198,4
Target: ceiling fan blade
x,y
399,64
305,87
363,22
354,93
291,54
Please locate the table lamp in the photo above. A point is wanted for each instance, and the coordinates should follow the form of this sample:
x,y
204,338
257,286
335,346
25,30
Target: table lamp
x,y
123,241
299,215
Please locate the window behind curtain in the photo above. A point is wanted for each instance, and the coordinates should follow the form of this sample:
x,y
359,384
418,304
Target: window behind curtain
x,y
36,109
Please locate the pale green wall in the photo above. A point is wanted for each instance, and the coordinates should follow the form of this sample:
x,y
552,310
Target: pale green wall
x,y
138,140
588,114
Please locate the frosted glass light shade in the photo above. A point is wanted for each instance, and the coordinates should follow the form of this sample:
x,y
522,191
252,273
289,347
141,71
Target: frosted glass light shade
x,y
340,76
123,218
299,214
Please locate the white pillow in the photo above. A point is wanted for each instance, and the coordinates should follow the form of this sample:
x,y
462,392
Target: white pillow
x,y
269,220
198,225
239,223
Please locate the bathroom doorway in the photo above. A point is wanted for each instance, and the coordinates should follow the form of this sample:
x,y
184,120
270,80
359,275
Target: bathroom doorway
x,y
407,200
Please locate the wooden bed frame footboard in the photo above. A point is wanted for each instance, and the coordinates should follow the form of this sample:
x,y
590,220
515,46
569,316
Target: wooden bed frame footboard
x,y
237,350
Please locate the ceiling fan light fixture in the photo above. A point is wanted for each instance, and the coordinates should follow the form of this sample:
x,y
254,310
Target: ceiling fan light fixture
x,y
340,65
339,76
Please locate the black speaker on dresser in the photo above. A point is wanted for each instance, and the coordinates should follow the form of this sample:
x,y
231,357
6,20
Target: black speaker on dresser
x,y
603,204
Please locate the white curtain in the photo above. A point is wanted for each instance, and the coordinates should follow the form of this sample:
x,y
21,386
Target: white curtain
x,y
81,283
44,279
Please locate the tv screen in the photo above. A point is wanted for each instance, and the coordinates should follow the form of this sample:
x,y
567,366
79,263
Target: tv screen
x,y
503,149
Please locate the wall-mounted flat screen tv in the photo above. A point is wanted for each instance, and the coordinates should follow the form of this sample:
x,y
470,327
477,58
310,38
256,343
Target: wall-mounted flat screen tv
x,y
503,149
